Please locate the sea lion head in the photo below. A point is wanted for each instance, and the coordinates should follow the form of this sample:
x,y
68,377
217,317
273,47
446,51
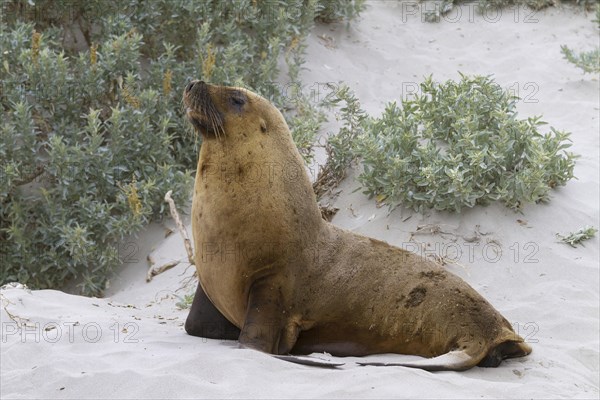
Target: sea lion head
x,y
226,112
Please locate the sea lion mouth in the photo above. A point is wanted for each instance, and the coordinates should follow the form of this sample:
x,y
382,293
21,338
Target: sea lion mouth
x,y
202,111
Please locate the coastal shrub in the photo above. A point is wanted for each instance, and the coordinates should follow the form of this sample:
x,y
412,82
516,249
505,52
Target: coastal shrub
x,y
93,134
337,10
588,61
340,147
581,235
456,145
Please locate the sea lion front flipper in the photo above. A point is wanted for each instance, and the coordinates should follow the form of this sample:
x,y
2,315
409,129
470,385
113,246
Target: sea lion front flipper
x,y
265,324
206,321
310,361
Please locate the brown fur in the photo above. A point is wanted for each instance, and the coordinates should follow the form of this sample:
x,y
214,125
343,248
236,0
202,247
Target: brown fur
x,y
293,282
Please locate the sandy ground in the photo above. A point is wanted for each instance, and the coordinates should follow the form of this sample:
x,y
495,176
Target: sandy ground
x,y
131,344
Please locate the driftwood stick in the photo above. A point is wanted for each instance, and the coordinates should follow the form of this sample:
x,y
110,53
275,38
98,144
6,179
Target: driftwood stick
x,y
182,231
152,272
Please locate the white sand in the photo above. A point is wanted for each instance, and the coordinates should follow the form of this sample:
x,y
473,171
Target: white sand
x,y
143,351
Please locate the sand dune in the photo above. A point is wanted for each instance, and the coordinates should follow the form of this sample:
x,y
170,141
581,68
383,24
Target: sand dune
x,y
131,344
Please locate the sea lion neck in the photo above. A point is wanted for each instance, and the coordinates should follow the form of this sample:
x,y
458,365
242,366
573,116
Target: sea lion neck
x,y
254,180
265,167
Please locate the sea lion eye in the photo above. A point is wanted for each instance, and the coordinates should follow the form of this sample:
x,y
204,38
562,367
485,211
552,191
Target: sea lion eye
x,y
238,100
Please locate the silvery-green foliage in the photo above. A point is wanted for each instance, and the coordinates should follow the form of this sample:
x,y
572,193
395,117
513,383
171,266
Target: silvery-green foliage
x,y
588,61
92,131
340,147
455,145
581,235
336,10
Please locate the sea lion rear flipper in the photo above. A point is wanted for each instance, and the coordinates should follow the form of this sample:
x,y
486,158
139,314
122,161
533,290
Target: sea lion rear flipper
x,y
460,360
507,349
457,360
205,320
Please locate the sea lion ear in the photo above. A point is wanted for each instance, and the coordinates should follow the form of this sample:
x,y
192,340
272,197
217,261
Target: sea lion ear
x,y
263,126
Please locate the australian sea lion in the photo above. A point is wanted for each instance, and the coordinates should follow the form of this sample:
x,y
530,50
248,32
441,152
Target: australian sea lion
x,y
294,283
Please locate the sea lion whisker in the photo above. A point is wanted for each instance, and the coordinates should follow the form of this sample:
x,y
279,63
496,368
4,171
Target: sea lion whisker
x,y
209,118
212,124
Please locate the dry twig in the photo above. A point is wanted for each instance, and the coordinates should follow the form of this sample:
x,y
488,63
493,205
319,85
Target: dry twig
x,y
182,231
152,272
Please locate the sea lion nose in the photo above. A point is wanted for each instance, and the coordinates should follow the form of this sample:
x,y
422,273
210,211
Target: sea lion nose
x,y
192,84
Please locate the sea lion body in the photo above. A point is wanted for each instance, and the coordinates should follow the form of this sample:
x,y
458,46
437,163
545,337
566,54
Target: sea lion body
x,y
292,282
